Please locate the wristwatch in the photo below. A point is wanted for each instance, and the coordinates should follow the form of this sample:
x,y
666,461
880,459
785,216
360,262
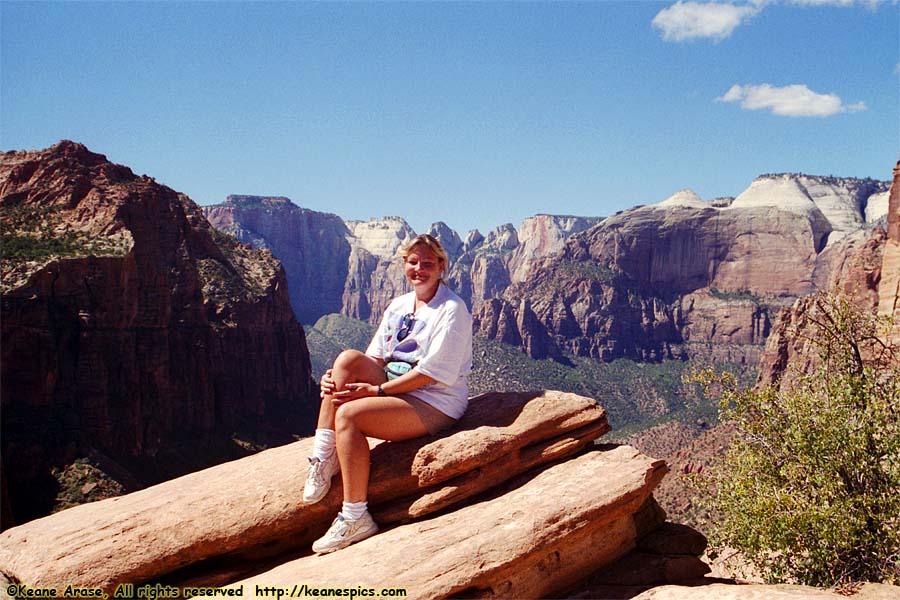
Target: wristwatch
x,y
381,391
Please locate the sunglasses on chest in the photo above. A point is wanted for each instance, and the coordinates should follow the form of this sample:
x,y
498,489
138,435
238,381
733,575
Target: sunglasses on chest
x,y
406,325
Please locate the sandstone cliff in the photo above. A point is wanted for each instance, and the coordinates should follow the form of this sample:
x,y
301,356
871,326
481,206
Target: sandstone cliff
x,y
686,277
868,274
488,266
312,246
889,286
131,329
376,275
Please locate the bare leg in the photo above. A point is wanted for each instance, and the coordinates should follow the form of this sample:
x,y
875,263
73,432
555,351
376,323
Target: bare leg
x,y
386,418
351,366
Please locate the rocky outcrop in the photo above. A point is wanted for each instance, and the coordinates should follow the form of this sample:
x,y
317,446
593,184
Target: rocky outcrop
x,y
669,554
515,452
131,328
312,246
448,238
488,266
543,235
531,542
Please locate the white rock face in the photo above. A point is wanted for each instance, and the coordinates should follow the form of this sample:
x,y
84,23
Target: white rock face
x,y
503,238
448,238
782,192
473,238
876,207
840,201
685,197
380,237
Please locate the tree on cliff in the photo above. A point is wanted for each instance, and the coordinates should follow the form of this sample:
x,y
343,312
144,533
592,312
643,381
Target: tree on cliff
x,y
810,488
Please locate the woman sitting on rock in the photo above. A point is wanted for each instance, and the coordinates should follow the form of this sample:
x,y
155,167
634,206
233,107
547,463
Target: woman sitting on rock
x,y
410,382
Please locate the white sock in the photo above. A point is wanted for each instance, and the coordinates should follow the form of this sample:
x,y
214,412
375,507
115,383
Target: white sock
x,y
353,511
323,445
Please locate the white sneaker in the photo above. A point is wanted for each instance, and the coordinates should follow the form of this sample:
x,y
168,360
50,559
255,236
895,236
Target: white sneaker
x,y
318,478
343,532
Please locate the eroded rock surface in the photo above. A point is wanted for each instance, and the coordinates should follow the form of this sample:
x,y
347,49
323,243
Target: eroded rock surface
x,y
538,538
252,509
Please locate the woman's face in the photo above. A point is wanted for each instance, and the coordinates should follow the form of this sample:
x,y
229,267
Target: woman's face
x,y
422,268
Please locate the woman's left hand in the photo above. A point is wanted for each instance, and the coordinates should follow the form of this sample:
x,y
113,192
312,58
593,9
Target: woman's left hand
x,y
354,391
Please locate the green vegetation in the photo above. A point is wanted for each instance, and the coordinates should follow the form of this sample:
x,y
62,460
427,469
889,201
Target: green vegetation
x,y
735,296
588,269
224,238
83,481
331,334
38,232
27,247
809,488
636,395
27,234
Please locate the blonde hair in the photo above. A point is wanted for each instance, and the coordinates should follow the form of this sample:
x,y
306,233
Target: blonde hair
x,y
435,246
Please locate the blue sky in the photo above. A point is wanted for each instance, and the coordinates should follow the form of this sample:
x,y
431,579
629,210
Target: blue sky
x,y
476,114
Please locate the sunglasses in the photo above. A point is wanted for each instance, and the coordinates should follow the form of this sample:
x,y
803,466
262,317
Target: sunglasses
x,y
406,325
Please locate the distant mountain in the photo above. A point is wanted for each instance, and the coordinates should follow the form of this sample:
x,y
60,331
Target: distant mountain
x,y
351,267
686,277
683,277
134,334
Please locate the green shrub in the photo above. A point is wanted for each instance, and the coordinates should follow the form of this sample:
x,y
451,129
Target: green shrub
x,y
810,488
35,248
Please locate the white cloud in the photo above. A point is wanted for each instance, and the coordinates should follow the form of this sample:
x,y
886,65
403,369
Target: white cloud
x,y
692,20
688,20
789,101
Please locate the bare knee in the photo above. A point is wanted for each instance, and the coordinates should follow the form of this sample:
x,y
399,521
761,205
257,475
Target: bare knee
x,y
344,419
348,359
353,366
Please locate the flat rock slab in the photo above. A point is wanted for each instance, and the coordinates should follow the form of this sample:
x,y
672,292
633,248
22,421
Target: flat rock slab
x,y
258,500
538,538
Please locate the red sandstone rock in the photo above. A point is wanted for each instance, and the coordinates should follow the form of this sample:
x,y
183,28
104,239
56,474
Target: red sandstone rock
x,y
889,287
253,506
144,335
537,539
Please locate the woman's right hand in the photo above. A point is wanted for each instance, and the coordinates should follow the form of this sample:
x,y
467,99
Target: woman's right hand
x,y
326,385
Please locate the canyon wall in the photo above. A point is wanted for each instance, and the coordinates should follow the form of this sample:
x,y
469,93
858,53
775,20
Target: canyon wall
x,y
133,330
686,277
